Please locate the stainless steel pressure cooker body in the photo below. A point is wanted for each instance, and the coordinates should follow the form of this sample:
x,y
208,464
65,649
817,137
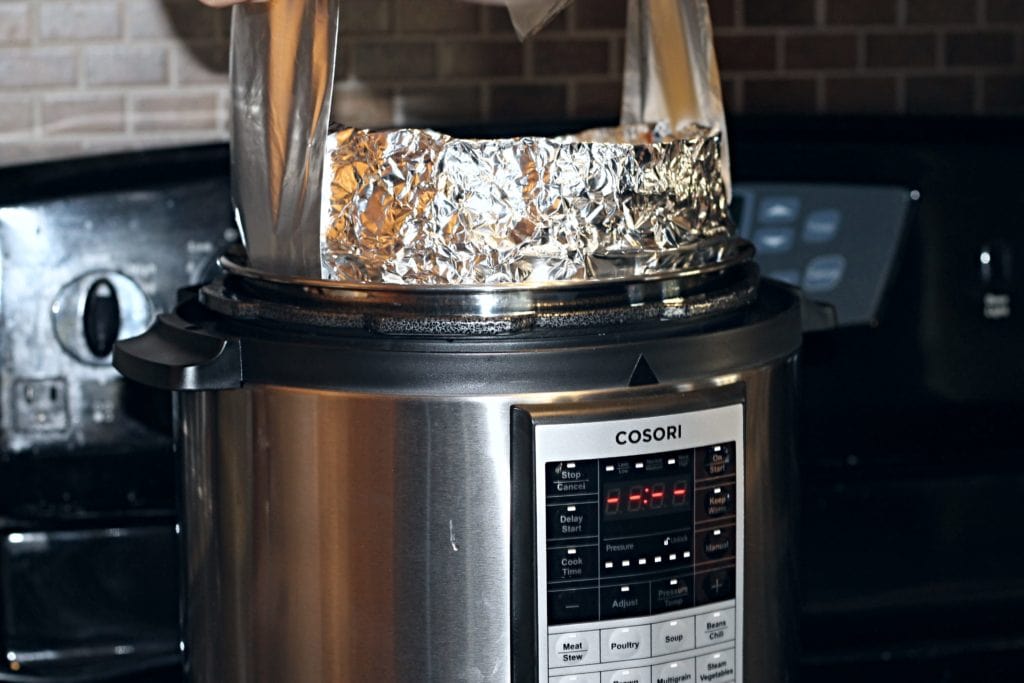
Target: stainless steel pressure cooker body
x,y
587,482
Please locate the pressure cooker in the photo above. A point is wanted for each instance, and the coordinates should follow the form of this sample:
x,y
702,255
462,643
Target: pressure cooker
x,y
572,482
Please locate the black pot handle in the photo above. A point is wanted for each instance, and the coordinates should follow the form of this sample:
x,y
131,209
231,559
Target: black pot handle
x,y
180,356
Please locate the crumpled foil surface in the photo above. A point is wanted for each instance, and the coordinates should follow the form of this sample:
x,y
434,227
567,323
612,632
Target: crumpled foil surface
x,y
420,207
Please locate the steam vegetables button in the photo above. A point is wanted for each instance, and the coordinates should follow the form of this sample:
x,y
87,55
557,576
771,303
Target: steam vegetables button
x,y
637,674
717,667
716,627
675,635
572,649
618,644
682,671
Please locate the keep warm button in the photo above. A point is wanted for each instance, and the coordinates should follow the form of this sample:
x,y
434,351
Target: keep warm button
x,y
618,644
716,627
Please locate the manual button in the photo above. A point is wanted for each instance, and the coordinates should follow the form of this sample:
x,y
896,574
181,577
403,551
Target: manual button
x,y
571,649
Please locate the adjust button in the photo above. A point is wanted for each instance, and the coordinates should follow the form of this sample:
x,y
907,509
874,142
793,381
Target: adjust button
x,y
571,649
639,674
674,672
572,521
716,627
669,637
633,600
718,666
618,644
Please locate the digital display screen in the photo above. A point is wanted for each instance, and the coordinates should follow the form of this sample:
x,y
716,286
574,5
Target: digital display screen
x,y
644,497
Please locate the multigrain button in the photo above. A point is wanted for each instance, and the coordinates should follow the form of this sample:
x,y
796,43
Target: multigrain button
x,y
717,667
716,627
618,644
669,637
639,674
674,672
572,649
577,678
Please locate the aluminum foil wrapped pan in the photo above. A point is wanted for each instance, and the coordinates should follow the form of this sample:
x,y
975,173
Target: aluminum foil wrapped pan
x,y
420,207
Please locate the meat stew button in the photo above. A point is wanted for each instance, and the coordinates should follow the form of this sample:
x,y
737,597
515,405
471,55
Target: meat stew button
x,y
672,636
716,627
674,672
571,649
638,674
618,644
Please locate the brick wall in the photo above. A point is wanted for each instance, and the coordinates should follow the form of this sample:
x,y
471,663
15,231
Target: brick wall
x,y
82,76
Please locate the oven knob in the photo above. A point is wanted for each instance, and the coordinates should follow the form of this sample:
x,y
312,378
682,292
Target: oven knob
x,y
101,318
95,310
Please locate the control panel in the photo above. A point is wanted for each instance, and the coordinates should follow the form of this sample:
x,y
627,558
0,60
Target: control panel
x,y
638,539
837,242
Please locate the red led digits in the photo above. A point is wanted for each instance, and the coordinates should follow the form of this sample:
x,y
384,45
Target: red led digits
x,y
635,498
611,504
679,493
657,495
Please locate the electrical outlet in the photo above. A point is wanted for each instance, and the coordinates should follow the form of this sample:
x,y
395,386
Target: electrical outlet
x,y
41,405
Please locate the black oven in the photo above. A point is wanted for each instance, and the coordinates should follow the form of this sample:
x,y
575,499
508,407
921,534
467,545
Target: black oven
x,y
911,465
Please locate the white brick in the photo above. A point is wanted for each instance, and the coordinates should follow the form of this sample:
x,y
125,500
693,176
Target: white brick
x,y
79,20
175,111
178,19
37,67
126,65
14,23
15,115
83,113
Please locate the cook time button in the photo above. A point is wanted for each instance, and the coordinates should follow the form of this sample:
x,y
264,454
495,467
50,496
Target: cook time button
x,y
571,649
573,563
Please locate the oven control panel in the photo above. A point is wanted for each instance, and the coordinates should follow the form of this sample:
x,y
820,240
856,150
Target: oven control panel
x,y
639,538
